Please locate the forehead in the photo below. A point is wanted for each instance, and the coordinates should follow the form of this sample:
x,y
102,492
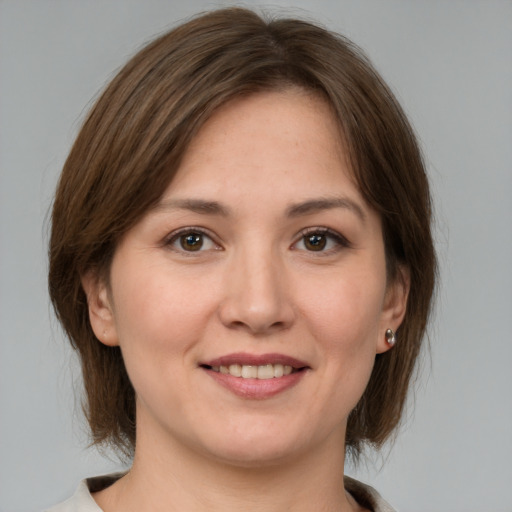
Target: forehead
x,y
272,139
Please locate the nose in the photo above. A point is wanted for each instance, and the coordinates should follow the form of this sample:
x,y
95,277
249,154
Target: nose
x,y
256,294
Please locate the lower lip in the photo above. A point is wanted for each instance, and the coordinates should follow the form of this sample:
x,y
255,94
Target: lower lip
x,y
257,389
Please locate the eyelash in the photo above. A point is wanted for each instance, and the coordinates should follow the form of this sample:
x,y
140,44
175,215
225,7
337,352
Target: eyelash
x,y
175,237
339,240
328,234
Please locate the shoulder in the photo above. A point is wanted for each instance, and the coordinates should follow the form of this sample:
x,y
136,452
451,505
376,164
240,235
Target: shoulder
x,y
82,500
367,496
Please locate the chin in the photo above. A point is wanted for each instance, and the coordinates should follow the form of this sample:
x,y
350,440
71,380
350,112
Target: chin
x,y
269,445
250,456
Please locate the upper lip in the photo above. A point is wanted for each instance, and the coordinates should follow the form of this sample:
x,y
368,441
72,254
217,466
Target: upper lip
x,y
244,359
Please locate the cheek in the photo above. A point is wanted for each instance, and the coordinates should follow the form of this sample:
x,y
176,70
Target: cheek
x,y
157,313
345,320
348,310
158,320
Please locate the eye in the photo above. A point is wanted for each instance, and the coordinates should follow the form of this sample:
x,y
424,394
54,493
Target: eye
x,y
321,240
191,240
315,242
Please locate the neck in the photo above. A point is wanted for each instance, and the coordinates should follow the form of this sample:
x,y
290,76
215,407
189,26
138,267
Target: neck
x,y
178,478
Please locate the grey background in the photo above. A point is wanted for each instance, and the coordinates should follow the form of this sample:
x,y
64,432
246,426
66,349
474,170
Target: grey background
x,y
450,64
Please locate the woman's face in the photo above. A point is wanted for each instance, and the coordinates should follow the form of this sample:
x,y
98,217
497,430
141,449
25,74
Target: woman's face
x,y
261,259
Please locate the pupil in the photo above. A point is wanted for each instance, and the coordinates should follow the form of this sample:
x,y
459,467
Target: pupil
x,y
192,242
316,242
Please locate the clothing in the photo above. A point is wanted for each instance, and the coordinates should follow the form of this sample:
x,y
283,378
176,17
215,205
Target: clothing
x,y
82,501
367,496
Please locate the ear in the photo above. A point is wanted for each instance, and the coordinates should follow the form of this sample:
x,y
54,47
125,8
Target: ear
x,y
394,307
101,313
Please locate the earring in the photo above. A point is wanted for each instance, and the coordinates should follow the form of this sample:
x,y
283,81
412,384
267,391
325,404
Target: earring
x,y
390,337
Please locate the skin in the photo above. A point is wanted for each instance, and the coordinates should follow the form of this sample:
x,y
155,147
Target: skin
x,y
274,165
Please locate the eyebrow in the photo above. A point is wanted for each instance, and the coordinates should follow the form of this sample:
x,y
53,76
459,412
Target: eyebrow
x,y
317,205
303,208
201,206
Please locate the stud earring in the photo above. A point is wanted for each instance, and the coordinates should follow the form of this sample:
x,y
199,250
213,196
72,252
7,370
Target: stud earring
x,y
390,337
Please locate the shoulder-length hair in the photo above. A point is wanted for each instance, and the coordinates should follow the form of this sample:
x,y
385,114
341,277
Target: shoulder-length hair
x,y
134,138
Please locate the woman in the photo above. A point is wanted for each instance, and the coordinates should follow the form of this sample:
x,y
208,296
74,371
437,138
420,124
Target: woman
x,y
241,255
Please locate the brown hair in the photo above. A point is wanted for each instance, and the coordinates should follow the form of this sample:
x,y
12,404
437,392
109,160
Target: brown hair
x,y
135,136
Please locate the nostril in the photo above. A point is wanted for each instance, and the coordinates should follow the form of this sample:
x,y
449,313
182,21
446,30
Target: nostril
x,y
256,302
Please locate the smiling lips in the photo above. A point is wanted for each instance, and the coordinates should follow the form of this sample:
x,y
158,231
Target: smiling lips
x,y
256,377
262,372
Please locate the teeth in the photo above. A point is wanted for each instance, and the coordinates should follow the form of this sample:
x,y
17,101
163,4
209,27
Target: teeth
x,y
234,369
249,372
267,371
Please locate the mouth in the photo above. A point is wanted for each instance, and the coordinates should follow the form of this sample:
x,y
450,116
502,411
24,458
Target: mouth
x,y
261,372
256,376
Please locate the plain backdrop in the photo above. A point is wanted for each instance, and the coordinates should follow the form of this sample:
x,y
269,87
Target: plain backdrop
x,y
450,64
